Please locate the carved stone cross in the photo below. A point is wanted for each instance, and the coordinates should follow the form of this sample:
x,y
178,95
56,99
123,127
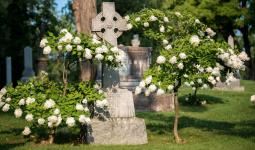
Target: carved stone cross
x,y
108,24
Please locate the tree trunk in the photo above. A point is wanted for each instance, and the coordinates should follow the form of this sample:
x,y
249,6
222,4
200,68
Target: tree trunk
x,y
84,12
247,46
176,119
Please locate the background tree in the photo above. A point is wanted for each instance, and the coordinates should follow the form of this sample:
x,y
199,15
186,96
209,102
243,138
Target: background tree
x,y
23,23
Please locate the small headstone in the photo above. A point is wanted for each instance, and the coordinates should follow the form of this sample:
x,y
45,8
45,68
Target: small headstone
x,y
231,41
8,70
28,64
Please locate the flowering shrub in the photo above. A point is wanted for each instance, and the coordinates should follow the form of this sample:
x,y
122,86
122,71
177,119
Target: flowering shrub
x,y
42,104
80,46
188,55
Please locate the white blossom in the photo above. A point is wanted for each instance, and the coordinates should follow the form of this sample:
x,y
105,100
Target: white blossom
x,y
110,58
137,19
53,119
29,117
6,107
138,90
170,87
168,47
84,101
178,14
127,18
79,107
147,92
46,50
63,30
162,29
8,99
182,55
152,88
69,48
185,76
129,26
104,102
205,86
199,81
3,91
60,47
197,21
26,131
146,24
180,66
161,60
41,121
153,18
2,103
165,42
56,111
84,120
166,19
186,84
253,99
70,121
160,92
99,57
209,69
79,48
49,104
87,55
148,80
114,49
142,84
243,56
173,60
210,32
30,100
18,113
77,40
194,40
43,43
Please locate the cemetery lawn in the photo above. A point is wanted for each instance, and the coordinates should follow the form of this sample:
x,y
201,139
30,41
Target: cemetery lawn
x,y
226,122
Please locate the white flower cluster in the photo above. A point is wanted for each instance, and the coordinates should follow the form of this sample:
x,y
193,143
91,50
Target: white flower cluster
x,y
101,103
232,60
4,102
253,99
194,40
49,104
210,32
148,87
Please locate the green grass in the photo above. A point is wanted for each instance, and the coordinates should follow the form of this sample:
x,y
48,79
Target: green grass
x,y
226,122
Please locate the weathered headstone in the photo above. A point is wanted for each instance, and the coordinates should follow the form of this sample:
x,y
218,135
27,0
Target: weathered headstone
x,y
8,70
122,127
234,85
28,64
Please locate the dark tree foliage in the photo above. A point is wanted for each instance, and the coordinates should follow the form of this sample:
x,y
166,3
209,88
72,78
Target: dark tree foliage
x,y
23,23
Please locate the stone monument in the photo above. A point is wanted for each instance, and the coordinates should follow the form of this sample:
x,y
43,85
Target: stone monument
x,y
122,127
8,70
28,64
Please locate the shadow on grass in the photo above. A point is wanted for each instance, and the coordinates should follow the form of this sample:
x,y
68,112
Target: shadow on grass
x,y
10,146
163,124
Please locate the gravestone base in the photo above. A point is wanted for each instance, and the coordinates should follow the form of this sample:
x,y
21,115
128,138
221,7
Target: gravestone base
x,y
162,103
233,86
128,131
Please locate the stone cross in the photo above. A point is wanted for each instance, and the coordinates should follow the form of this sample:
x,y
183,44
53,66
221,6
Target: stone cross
x,y
108,24
28,64
8,70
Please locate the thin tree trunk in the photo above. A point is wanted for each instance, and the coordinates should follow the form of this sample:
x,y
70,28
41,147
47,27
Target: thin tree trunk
x,y
176,119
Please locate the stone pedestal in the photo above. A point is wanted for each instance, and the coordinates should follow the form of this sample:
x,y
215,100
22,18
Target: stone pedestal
x,y
162,103
118,131
42,63
122,127
233,86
